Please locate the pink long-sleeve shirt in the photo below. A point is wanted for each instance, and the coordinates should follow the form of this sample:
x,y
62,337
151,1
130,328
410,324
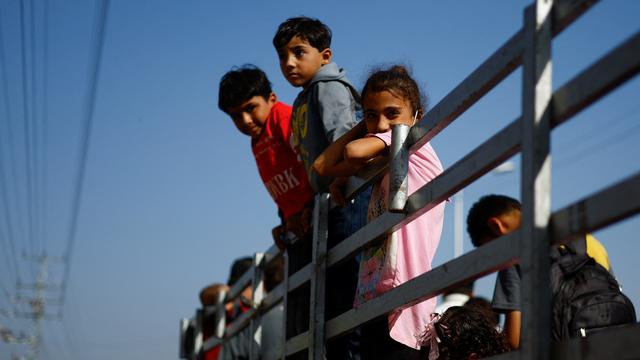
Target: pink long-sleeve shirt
x,y
408,252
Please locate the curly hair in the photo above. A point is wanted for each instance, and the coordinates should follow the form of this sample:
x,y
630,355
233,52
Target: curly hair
x,y
464,331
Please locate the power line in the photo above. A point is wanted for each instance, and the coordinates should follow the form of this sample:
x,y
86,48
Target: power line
x,y
3,178
20,232
34,128
26,132
614,139
45,120
94,68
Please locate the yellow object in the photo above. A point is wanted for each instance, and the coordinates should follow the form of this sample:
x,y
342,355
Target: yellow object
x,y
597,251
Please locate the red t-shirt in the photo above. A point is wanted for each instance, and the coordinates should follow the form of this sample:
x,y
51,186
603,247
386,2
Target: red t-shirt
x,y
279,166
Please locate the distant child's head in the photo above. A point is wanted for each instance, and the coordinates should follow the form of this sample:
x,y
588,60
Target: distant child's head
x,y
483,306
491,217
304,46
389,97
209,295
463,333
245,95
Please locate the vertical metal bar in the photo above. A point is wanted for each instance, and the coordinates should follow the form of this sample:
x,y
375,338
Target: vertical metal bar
x,y
197,342
184,325
399,167
257,285
285,300
220,316
536,182
318,276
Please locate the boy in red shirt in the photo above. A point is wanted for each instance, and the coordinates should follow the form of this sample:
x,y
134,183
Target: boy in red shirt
x,y
246,96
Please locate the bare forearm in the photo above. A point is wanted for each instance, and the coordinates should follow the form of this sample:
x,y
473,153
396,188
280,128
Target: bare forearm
x,y
331,161
512,328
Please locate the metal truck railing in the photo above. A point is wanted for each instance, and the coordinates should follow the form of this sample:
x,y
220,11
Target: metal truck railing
x,y
542,111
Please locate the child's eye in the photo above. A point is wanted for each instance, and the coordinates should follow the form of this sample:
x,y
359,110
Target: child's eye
x,y
392,114
298,52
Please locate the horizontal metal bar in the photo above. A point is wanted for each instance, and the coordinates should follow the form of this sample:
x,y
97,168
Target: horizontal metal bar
x,y
613,69
565,12
506,142
367,176
485,157
610,205
272,252
239,323
618,343
380,226
242,283
484,78
211,342
298,343
480,161
300,277
485,259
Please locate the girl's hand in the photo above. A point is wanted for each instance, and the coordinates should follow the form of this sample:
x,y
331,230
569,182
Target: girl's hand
x,y
337,190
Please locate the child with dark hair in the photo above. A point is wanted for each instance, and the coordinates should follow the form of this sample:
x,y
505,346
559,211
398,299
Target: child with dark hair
x,y
462,333
323,111
246,96
483,306
494,216
390,96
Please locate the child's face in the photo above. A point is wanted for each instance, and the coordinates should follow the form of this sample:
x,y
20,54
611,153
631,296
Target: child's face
x,y
299,61
382,109
250,116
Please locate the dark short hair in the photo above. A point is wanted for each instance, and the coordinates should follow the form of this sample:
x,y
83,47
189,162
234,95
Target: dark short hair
x,y
241,84
487,207
308,29
239,267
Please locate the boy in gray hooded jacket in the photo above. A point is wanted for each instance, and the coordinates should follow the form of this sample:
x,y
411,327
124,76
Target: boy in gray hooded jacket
x,y
324,110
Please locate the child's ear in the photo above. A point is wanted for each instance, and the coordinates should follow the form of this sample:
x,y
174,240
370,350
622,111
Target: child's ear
x,y
496,226
326,56
272,98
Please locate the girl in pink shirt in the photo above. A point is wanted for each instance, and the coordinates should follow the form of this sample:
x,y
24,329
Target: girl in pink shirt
x,y
389,97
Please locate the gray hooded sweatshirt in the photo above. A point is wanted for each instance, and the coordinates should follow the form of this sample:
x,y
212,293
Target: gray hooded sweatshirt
x,y
323,112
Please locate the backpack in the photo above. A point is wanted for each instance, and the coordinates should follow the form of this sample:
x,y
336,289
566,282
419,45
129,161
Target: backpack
x,y
585,296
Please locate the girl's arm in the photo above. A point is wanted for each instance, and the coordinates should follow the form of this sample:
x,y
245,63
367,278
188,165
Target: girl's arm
x,y
360,151
331,162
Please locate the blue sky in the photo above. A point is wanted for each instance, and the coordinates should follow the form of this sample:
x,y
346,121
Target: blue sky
x,y
171,194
